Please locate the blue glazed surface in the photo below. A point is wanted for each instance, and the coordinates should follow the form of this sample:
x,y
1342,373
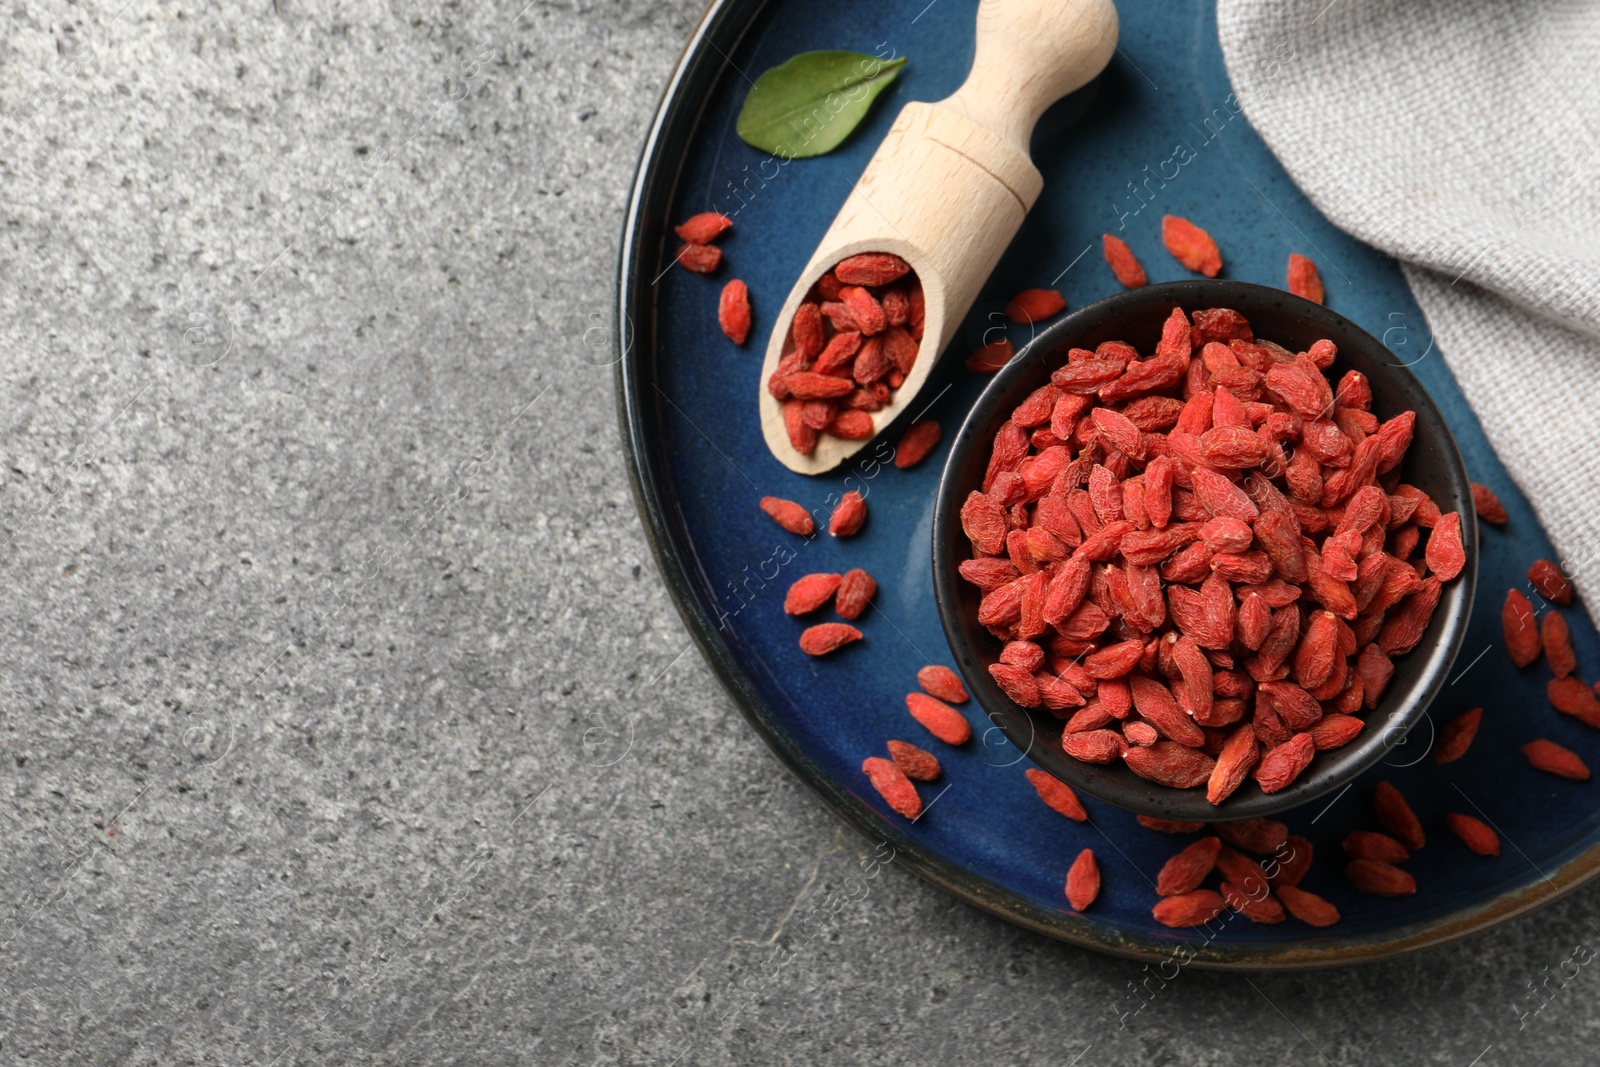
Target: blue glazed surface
x,y
1161,90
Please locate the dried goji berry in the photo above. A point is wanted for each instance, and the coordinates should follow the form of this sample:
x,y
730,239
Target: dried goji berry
x,y
851,425
1191,246
1396,816
1371,845
1521,631
789,515
848,515
704,227
1557,641
1487,505
1016,683
864,309
1123,263
1444,554
826,637
1256,903
1303,278
871,268
1234,762
856,590
733,311
919,439
1406,624
893,786
1034,305
939,718
916,763
1083,881
1571,697
1476,834
1380,879
1189,909
1093,746
702,259
942,682
1057,794
1166,763
1551,758
1184,872
1550,583
1282,764
1289,863
1456,736
1334,731
991,357
809,593
1308,907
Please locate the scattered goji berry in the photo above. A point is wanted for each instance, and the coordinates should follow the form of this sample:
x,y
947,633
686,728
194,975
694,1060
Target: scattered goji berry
x,y
826,637
1487,505
1551,758
1371,845
1303,278
991,357
920,438
1547,579
1289,863
856,590
809,593
1191,246
1396,816
1057,794
1184,872
1189,909
1256,903
702,259
893,786
1571,697
916,763
1083,881
942,682
1521,631
1308,907
939,718
789,515
1034,305
1474,833
1557,641
1123,263
733,311
1457,735
704,228
1380,879
848,515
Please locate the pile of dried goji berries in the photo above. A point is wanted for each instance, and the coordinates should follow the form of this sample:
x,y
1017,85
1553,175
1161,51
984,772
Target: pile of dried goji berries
x,y
852,341
1204,560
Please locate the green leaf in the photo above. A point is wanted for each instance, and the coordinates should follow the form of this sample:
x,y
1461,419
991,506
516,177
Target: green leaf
x,y
810,104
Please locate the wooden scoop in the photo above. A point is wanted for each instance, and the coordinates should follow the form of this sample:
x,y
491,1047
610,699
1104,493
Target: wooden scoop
x,y
949,186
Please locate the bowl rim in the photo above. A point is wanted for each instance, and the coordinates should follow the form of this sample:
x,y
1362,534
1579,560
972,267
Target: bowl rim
x,y
1117,785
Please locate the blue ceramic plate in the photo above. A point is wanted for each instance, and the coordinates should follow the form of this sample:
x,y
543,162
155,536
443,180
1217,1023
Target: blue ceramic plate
x,y
1158,133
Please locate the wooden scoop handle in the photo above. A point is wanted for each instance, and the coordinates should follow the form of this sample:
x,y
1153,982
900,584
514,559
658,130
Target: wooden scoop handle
x,y
1031,53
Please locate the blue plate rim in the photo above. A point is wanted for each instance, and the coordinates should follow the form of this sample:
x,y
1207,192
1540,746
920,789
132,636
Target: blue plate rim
x,y
718,32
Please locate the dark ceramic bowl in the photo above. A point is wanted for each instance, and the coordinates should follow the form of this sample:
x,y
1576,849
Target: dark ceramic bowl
x,y
1432,463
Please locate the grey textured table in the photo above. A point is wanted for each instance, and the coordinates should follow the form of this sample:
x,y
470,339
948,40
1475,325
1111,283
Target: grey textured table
x,y
345,718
